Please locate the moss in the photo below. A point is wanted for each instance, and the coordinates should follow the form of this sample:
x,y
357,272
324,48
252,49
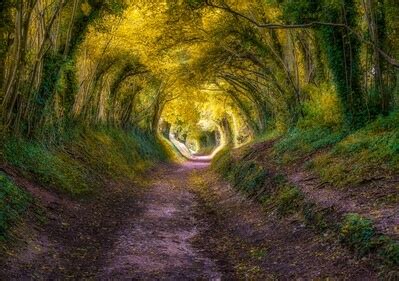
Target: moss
x,y
13,203
358,233
79,166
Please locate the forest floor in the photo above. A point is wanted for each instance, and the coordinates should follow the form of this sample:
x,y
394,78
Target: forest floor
x,y
181,223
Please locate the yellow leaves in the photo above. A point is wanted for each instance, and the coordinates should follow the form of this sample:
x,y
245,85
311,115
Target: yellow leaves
x,y
86,8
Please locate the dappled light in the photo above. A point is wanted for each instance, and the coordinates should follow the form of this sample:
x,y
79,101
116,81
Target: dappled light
x,y
199,139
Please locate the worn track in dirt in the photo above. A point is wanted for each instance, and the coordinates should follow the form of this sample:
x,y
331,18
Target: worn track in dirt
x,y
183,224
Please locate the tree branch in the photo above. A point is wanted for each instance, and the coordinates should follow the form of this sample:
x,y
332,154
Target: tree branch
x,y
313,24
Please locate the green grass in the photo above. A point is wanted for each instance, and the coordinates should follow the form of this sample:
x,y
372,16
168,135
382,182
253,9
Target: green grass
x,y
354,231
247,176
289,200
362,154
366,154
13,203
389,251
80,165
357,232
360,235
268,136
223,162
49,167
300,142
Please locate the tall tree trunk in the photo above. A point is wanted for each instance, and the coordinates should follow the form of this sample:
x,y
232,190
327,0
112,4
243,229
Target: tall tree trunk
x,y
370,7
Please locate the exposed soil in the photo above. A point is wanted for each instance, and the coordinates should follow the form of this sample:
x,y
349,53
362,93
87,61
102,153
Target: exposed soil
x,y
259,245
369,198
182,223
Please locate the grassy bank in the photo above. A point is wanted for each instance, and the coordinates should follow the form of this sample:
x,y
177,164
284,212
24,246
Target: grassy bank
x,y
344,158
13,203
340,159
78,167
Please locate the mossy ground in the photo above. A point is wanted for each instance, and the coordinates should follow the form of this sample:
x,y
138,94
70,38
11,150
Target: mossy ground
x,y
78,167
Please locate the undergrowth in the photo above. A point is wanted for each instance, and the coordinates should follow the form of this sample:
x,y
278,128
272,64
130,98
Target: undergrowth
x,y
13,202
298,142
79,166
370,153
247,176
357,232
288,200
353,230
360,235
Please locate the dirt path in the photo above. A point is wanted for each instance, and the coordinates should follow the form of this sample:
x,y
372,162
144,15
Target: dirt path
x,y
183,224
157,244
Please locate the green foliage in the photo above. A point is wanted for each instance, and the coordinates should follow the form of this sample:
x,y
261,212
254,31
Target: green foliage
x,y
288,200
370,152
343,55
300,142
247,176
13,203
268,136
300,11
115,153
389,251
80,165
342,50
223,162
49,167
357,232
195,4
251,178
319,128
322,108
51,65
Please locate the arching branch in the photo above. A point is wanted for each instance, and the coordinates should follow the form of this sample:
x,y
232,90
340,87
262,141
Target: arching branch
x,y
312,24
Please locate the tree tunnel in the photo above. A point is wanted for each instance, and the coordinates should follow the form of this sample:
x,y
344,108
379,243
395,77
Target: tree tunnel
x,y
286,113
211,72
